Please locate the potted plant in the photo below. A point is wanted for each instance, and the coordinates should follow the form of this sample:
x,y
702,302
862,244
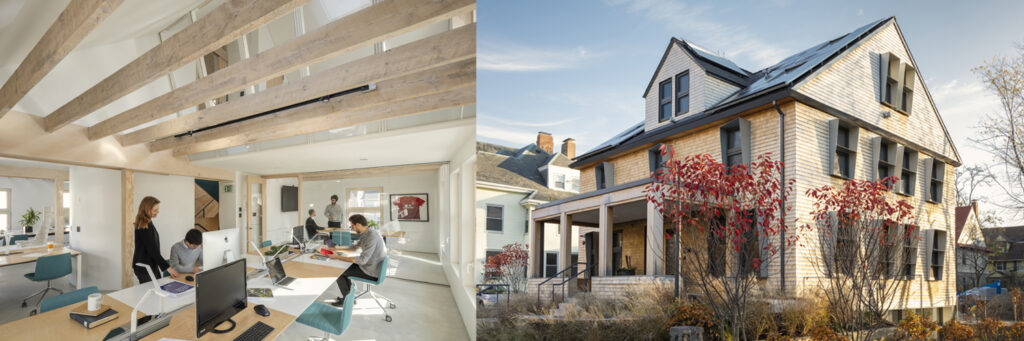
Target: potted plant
x,y
29,218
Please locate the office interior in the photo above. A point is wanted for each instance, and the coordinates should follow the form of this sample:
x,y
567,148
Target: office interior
x,y
239,116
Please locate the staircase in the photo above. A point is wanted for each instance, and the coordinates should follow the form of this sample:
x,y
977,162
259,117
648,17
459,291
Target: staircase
x,y
564,284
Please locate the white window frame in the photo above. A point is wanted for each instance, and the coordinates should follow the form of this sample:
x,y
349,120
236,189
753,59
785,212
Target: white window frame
x,y
487,218
7,192
560,178
351,210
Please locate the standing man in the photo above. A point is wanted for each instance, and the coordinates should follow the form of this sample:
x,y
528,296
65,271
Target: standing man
x,y
333,212
367,264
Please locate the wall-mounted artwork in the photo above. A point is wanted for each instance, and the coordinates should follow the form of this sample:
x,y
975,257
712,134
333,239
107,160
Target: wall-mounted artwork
x,y
409,207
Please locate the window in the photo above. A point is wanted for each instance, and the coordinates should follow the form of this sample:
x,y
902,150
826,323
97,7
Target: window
x,y
907,98
491,274
937,252
560,181
1001,266
716,247
665,101
751,246
656,160
909,252
843,143
605,175
887,250
575,184
365,201
846,246
599,175
897,315
550,264
908,174
5,209
891,74
735,139
682,93
885,158
526,227
495,214
935,170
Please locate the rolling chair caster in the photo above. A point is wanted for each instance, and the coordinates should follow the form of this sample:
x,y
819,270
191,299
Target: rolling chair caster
x,y
387,318
32,313
23,304
393,306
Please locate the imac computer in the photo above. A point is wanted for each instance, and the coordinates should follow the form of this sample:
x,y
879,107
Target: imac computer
x,y
220,294
220,247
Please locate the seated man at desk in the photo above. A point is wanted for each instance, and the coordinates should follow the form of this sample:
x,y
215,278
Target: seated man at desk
x,y
367,264
311,226
187,255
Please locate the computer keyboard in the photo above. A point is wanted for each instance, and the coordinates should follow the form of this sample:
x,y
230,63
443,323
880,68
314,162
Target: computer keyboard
x,y
257,332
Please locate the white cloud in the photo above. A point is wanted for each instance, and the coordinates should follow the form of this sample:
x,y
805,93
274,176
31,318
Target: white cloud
x,y
693,23
517,58
512,137
526,123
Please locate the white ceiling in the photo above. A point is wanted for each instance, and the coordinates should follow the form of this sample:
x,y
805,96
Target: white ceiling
x,y
435,143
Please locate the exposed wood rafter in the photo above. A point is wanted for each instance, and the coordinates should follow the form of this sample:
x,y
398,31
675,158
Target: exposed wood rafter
x,y
448,47
224,24
378,22
73,25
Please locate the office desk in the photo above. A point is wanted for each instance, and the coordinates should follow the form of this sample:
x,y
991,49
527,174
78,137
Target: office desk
x,y
31,254
396,234
56,325
132,295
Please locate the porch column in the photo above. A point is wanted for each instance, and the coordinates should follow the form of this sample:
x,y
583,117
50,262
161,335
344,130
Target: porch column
x,y
655,241
564,241
532,245
604,244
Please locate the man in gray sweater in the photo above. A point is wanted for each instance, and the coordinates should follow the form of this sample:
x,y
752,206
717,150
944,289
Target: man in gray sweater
x,y
187,255
367,264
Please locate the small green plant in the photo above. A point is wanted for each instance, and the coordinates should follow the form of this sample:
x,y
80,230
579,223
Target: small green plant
x,y
30,217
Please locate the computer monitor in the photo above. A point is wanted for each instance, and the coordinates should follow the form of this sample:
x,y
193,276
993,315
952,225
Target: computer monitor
x,y
219,247
220,294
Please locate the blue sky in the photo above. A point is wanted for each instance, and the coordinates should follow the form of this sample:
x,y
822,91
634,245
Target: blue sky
x,y
579,68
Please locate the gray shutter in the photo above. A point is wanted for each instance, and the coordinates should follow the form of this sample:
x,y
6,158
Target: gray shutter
x,y
909,74
745,139
927,176
833,139
929,247
854,144
828,243
876,152
723,138
765,255
609,174
883,70
898,91
899,167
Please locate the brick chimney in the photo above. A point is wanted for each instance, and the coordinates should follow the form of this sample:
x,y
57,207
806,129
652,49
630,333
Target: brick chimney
x,y
545,142
569,147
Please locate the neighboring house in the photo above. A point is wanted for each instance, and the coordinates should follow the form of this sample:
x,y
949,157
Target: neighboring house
x,y
855,108
512,182
1006,260
971,252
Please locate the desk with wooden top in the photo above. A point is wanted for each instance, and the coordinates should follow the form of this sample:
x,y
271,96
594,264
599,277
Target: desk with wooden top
x,y
16,255
312,279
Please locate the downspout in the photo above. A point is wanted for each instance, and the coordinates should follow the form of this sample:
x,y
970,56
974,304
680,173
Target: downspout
x,y
782,203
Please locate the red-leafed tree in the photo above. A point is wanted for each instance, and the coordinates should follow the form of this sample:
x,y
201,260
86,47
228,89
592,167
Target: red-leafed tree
x,y
508,267
867,241
725,225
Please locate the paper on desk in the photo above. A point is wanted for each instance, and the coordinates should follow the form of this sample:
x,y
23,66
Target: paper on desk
x,y
37,254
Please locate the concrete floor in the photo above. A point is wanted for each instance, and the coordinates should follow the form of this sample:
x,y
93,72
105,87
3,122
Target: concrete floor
x,y
416,284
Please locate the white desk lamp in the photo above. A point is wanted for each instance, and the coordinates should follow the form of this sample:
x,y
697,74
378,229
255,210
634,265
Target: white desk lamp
x,y
156,289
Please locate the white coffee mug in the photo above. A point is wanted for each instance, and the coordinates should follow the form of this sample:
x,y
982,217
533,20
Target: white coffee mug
x,y
95,301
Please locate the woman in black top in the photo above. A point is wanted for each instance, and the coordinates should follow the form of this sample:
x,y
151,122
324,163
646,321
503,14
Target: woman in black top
x,y
147,242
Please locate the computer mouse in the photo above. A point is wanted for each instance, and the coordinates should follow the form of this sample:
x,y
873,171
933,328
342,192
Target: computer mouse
x,y
262,310
190,278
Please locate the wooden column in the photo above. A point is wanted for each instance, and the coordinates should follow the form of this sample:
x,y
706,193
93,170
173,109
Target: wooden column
x,y
564,241
531,244
127,226
604,244
655,264
58,218
302,210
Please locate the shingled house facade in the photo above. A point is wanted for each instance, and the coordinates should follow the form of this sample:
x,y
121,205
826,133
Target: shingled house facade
x,y
854,107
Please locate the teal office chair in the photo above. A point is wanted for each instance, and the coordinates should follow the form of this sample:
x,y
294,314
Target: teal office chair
x,y
16,238
67,299
379,281
328,319
342,238
48,268
3,241
266,243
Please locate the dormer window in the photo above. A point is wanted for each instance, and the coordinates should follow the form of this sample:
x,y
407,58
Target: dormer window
x,y
665,100
897,83
908,89
682,93
560,181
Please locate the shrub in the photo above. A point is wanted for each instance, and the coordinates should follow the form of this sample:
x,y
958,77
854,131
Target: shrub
x,y
915,327
822,332
956,331
1013,331
695,314
987,329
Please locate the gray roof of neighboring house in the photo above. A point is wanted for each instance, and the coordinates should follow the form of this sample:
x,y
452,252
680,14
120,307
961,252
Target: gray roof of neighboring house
x,y
1013,235
518,168
782,75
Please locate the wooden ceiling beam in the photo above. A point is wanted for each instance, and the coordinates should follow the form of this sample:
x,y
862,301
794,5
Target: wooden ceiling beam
x,y
223,25
441,49
369,172
384,20
336,111
73,25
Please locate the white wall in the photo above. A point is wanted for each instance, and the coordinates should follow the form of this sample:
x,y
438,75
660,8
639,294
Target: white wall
x,y
96,224
35,193
280,224
420,236
460,246
228,209
177,195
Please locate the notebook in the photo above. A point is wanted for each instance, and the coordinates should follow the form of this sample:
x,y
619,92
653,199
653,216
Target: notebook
x,y
176,288
259,295
93,321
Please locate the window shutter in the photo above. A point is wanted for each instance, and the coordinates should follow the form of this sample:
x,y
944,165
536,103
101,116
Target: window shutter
x,y
876,150
762,241
828,243
724,139
908,82
833,139
652,159
899,167
745,137
854,144
927,177
609,174
897,93
883,68
929,247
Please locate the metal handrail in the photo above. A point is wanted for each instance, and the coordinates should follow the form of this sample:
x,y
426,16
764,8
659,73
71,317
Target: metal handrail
x,y
508,291
203,210
588,270
553,277
202,227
